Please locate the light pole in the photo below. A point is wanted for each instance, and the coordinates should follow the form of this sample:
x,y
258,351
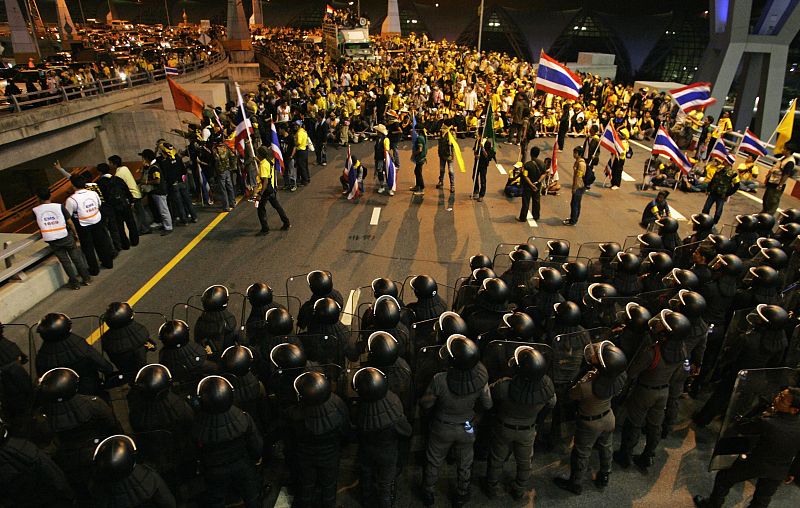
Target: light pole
x,y
166,10
480,28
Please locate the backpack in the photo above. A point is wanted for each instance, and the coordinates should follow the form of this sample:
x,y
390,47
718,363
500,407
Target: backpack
x,y
445,148
588,176
117,194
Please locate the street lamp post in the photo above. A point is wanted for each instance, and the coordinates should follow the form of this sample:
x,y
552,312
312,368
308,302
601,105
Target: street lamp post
x,y
480,27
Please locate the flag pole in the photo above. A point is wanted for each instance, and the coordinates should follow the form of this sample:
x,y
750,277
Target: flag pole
x,y
779,123
244,119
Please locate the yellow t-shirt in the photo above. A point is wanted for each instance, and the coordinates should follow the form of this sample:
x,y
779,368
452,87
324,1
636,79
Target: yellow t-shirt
x,y
266,170
301,139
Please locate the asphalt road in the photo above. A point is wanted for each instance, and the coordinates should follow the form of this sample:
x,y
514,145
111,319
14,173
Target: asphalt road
x,y
407,235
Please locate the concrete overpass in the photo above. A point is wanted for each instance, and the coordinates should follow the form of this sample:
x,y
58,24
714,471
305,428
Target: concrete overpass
x,y
78,116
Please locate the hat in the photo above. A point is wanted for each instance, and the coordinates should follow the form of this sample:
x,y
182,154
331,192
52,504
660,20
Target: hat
x,y
518,164
147,154
263,152
298,123
382,129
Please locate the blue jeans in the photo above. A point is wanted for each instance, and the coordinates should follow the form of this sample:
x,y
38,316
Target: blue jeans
x,y
575,204
717,201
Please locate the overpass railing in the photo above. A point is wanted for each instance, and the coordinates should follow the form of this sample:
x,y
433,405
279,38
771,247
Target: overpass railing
x,y
13,267
22,102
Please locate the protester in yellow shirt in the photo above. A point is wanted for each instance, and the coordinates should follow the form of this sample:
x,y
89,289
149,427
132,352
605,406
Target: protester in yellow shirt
x,y
266,176
748,174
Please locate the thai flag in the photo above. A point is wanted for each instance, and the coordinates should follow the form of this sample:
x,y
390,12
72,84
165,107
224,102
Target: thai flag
x,y
414,134
553,77
554,161
171,71
664,145
694,96
720,152
611,142
752,145
391,171
275,146
352,177
243,130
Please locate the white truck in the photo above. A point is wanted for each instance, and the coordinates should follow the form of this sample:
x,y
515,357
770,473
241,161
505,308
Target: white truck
x,y
349,43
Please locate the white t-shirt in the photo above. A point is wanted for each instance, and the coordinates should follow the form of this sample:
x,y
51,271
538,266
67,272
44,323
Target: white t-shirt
x,y
85,205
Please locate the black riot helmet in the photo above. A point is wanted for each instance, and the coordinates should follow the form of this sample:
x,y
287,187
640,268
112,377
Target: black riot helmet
x,y
557,248
702,222
118,315
386,311
370,384
237,360
681,279
460,352
596,292
528,363
788,216
628,262
450,323
287,356
320,283
259,294
312,388
326,311
667,225
115,457
635,317
786,233
424,286
57,385
383,287
649,242
728,264
575,271
771,317
670,325
567,313
153,379
766,222
479,261
174,333
215,394
659,262
279,322
215,298
720,244
609,360
3,431
518,325
54,327
746,223
688,303
761,277
529,248
481,274
773,257
382,349
550,279
609,250
522,260
494,291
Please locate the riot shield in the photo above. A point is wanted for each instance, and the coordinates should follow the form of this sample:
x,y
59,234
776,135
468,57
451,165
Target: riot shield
x,y
682,256
732,342
752,394
323,349
22,335
540,243
655,301
568,356
427,363
497,353
336,375
501,263
423,333
631,244
465,295
506,248
728,230
792,358
590,250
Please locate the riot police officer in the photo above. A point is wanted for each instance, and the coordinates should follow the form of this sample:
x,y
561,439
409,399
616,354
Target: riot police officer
x,y
634,330
655,267
216,328
380,287
652,368
120,481
185,360
608,253
576,274
595,312
326,337
519,278
385,317
596,421
760,284
626,274
228,443
766,223
468,292
16,389
453,396
487,312
745,234
320,283
318,436
518,401
62,348
550,283
278,329
236,363
126,342
429,304
566,319
261,301
668,231
649,242
381,426
557,251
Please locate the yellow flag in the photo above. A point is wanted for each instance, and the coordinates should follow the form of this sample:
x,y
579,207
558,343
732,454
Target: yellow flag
x,y
784,130
456,151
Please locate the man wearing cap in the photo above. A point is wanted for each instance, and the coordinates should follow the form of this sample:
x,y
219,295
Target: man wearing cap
x,y
578,189
381,149
783,169
266,175
225,164
445,151
300,153
420,157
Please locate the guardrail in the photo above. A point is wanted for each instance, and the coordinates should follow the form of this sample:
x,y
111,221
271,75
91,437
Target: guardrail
x,y
14,268
22,102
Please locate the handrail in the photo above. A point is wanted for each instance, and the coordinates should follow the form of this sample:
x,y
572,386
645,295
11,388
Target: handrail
x,y
15,268
18,246
26,101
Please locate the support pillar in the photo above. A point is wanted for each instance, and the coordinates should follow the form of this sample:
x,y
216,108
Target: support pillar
x,y
21,41
258,15
391,25
242,67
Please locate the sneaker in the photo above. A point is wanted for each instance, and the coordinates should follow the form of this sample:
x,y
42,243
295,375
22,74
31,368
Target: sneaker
x,y
293,188
414,189
474,196
194,220
381,190
391,192
567,222
324,163
439,185
74,286
87,281
452,190
480,199
345,192
601,480
614,187
520,220
263,232
285,227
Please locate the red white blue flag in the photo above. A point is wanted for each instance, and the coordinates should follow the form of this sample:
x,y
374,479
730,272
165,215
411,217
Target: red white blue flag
x,y
694,96
352,177
555,78
391,171
664,145
610,141
752,145
720,152
275,146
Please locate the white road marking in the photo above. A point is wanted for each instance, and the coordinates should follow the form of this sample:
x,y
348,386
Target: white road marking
x,y
627,178
649,149
676,214
350,306
531,222
376,215
284,499
750,196
501,169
